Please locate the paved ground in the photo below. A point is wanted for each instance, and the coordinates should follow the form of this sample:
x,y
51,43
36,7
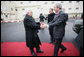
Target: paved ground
x,y
14,32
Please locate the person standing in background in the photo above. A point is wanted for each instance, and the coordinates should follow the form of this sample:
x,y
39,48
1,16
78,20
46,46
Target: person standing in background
x,y
50,18
41,18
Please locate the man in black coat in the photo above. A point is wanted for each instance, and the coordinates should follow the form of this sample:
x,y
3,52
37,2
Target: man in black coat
x,y
50,18
58,24
31,30
41,17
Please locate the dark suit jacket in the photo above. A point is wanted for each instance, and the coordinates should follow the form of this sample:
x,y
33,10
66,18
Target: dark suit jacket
x,y
58,24
50,17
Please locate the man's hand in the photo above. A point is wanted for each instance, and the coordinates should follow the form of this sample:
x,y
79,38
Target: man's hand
x,y
43,25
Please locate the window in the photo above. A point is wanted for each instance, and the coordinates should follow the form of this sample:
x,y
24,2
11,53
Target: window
x,y
29,1
52,2
23,15
6,16
70,1
37,1
21,2
11,9
77,8
16,9
62,2
38,8
23,9
45,3
1,13
77,1
69,8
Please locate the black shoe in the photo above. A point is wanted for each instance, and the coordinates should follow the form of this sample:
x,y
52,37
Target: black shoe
x,y
39,51
54,55
63,50
33,54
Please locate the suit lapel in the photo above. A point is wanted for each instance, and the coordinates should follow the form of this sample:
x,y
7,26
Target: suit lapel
x,y
56,17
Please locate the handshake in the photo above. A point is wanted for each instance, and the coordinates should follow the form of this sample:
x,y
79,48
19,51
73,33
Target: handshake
x,y
43,25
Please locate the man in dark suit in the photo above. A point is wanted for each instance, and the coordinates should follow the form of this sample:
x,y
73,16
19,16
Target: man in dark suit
x,y
58,24
50,18
31,30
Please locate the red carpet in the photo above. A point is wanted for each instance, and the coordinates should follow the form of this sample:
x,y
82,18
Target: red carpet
x,y
20,49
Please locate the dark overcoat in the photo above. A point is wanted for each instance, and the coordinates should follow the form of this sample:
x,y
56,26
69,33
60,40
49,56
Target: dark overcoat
x,y
31,30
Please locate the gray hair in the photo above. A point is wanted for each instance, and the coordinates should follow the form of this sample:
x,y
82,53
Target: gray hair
x,y
27,10
59,5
